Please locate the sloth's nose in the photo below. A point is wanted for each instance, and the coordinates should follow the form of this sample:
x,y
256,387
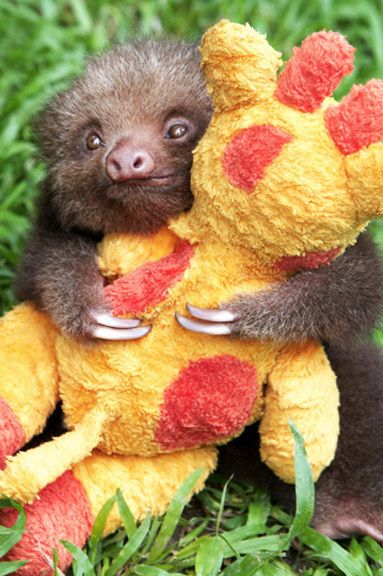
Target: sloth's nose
x,y
129,162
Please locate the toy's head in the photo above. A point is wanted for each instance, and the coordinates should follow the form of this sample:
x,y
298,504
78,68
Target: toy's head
x,y
283,168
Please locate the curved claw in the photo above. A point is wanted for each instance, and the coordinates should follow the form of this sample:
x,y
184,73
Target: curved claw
x,y
106,319
106,333
211,315
217,329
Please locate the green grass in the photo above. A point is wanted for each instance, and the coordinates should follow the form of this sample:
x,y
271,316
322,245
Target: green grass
x,y
239,533
43,44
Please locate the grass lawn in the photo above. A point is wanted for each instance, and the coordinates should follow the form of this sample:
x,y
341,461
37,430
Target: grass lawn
x,y
43,44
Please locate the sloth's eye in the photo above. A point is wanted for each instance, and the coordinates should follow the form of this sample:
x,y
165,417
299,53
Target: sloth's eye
x,y
93,141
177,130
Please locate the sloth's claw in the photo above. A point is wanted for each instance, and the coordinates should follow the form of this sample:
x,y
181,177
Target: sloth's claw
x,y
215,329
213,321
107,333
105,319
211,314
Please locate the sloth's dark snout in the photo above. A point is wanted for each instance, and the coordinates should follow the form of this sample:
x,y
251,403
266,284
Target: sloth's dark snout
x,y
127,161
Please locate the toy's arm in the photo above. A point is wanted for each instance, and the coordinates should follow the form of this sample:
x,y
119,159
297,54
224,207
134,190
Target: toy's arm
x,y
336,303
29,376
301,388
28,472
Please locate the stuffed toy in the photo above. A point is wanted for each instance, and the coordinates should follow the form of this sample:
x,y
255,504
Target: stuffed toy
x,y
284,179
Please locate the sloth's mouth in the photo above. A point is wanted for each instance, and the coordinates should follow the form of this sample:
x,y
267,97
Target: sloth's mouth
x,y
154,185
150,181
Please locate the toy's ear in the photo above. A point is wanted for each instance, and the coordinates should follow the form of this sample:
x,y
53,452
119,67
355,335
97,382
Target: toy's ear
x,y
315,70
239,64
356,127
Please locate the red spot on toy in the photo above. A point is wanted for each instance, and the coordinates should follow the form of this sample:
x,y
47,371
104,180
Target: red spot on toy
x,y
61,512
358,120
11,432
307,261
315,70
248,154
149,284
211,399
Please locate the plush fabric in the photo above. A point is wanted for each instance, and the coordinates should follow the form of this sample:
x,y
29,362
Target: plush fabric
x,y
358,120
309,261
315,70
11,432
283,179
211,399
150,283
250,151
63,509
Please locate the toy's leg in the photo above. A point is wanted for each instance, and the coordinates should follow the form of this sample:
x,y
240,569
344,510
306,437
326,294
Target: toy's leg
x,y
67,508
301,388
28,376
30,471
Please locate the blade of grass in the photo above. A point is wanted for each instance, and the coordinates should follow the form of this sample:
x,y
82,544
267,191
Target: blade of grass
x,y
209,557
304,487
259,511
10,536
172,516
373,550
191,536
153,571
359,557
98,528
126,515
222,505
274,568
82,566
156,523
248,565
82,15
130,548
327,550
56,569
10,567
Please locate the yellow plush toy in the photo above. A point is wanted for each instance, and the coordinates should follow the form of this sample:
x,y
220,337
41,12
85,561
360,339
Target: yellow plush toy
x,y
284,179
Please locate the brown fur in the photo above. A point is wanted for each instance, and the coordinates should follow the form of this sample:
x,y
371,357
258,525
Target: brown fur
x,y
349,494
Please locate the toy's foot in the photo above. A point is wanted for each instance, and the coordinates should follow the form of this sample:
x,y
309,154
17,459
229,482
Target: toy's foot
x,y
61,512
147,483
66,508
109,327
215,321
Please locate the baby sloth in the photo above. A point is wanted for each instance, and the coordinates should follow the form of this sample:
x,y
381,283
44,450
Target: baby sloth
x,y
118,150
